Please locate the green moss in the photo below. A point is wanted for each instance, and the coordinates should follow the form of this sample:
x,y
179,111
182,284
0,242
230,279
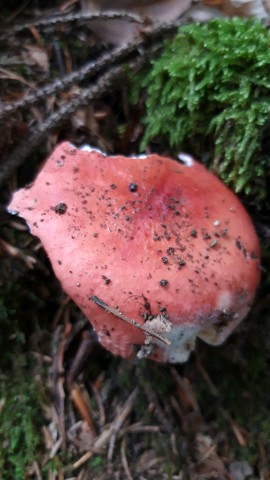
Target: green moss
x,y
209,93
96,465
20,417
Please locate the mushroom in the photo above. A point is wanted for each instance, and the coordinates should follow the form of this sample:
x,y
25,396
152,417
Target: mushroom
x,y
155,251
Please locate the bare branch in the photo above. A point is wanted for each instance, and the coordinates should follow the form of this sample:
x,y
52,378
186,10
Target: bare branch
x,y
37,135
72,17
88,70
105,436
140,50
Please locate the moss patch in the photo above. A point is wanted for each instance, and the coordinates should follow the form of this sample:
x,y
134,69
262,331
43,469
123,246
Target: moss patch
x,y
209,93
20,417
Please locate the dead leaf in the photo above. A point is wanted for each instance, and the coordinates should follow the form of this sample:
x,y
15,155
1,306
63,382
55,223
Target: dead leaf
x,y
155,12
36,55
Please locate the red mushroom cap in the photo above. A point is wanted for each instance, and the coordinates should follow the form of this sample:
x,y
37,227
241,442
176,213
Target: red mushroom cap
x,y
164,243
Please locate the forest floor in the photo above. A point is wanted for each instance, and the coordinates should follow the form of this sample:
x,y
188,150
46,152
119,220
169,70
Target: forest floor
x,y
69,409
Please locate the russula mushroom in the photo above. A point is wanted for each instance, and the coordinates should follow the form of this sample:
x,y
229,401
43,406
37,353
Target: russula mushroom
x,y
155,252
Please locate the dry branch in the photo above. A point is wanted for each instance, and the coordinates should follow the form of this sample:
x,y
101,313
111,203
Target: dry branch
x,y
70,18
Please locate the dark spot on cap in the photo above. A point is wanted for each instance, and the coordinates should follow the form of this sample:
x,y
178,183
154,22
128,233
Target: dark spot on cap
x,y
113,186
238,244
60,208
133,187
170,251
193,232
164,259
163,282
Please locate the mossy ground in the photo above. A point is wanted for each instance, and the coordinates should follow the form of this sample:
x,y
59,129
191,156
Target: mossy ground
x,y
21,420
207,92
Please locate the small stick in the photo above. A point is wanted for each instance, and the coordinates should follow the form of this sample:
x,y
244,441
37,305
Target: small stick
x,y
91,68
158,409
130,321
105,436
73,17
38,134
80,402
124,459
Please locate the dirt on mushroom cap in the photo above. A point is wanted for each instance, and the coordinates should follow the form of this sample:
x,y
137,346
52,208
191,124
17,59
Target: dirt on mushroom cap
x,y
109,240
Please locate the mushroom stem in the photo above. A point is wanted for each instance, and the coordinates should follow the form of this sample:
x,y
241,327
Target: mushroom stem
x,y
130,321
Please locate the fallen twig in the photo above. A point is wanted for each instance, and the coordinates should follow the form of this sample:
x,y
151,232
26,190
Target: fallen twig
x,y
82,406
130,321
90,68
81,356
124,459
159,412
105,436
72,17
142,49
17,156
